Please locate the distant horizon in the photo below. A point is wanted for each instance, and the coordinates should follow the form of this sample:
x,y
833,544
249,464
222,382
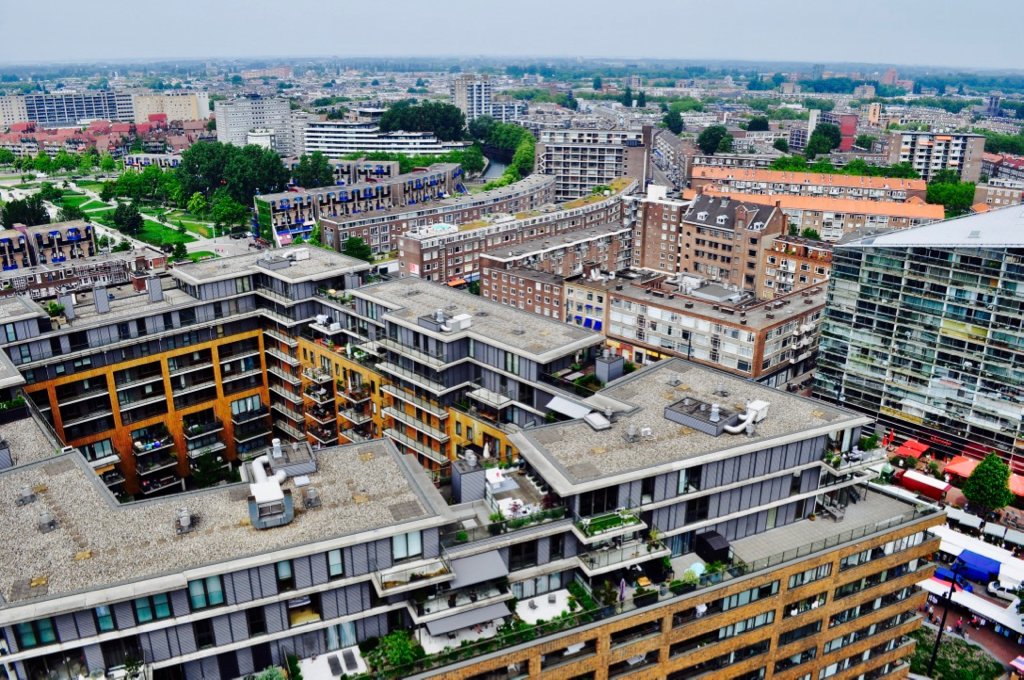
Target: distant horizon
x,y
912,33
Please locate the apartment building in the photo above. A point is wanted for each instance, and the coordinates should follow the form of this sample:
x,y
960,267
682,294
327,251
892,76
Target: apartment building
x,y
326,551
236,118
582,159
792,263
139,161
352,172
607,247
782,183
929,152
733,160
847,124
50,279
999,193
23,247
63,108
649,317
535,291
837,218
923,331
147,378
173,105
472,95
444,251
337,138
285,215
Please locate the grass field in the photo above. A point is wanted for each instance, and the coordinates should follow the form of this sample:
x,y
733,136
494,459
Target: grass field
x,y
91,186
202,255
94,205
72,199
152,232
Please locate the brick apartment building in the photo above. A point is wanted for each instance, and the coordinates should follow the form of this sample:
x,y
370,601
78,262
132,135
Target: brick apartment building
x,y
999,193
779,182
792,263
581,159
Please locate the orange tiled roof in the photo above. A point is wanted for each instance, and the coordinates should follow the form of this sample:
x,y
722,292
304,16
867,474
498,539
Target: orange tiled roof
x,y
807,178
843,205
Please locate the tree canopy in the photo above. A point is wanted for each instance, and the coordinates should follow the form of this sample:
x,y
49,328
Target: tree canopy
x,y
758,124
358,248
946,189
446,121
313,170
781,144
711,137
241,171
989,484
825,137
28,211
673,121
128,219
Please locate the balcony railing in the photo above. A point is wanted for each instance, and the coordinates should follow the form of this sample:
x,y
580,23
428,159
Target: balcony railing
x,y
412,376
410,421
355,416
432,359
151,464
607,525
320,395
246,416
317,376
354,436
409,398
196,430
609,558
430,573
416,446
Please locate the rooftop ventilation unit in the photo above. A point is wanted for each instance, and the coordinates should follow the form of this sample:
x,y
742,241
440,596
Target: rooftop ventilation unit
x,y
25,496
269,505
47,522
312,499
184,522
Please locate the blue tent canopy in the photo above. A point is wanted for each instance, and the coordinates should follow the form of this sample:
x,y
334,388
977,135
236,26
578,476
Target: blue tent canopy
x,y
977,567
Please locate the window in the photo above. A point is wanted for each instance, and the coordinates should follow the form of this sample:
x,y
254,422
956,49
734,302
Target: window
x,y
407,545
104,619
203,630
557,547
206,592
256,621
335,567
152,608
285,576
522,555
810,575
35,633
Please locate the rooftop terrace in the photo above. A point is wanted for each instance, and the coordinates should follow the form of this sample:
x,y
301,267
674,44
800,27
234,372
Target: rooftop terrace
x,y
304,264
573,453
99,543
411,298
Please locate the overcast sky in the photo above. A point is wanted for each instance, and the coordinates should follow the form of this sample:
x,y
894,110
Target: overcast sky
x,y
979,33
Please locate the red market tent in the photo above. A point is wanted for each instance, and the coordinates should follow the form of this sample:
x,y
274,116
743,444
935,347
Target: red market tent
x,y
1017,485
912,448
961,466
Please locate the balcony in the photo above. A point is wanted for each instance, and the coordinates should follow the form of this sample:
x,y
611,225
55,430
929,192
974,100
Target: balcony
x,y
317,376
356,416
151,486
614,555
290,413
289,378
281,337
319,395
188,368
412,376
247,416
287,394
248,433
324,416
151,464
609,525
412,577
289,430
410,421
409,398
423,449
200,451
323,435
83,395
102,413
150,444
281,356
198,429
354,395
235,353
455,602
489,398
432,359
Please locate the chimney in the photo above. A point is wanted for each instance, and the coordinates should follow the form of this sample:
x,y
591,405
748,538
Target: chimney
x,y
156,291
99,294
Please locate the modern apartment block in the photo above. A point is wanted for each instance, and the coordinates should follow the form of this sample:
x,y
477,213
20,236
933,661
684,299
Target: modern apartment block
x,y
792,263
447,251
923,331
782,183
648,317
582,159
837,218
49,279
472,95
336,138
146,378
236,118
929,152
715,238
285,215
326,551
23,247
63,108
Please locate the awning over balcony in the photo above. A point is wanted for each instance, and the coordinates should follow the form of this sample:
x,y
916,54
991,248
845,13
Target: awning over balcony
x,y
567,408
467,619
477,569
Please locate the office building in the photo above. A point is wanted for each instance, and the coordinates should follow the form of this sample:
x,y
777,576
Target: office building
x,y
930,152
325,551
173,105
582,159
337,138
923,331
779,182
236,118
472,95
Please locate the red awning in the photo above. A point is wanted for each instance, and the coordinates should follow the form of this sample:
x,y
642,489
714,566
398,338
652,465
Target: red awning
x,y
946,584
912,448
1017,484
961,466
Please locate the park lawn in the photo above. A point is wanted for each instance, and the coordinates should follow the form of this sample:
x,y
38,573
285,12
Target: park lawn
x,y
158,234
202,255
91,186
94,205
189,221
77,200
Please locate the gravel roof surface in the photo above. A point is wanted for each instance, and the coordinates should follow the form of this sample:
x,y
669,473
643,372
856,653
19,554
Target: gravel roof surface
x,y
362,487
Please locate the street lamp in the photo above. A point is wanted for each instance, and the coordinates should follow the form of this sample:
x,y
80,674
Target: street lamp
x,y
942,624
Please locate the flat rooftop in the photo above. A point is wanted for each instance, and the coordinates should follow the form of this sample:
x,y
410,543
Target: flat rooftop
x,y
572,453
363,487
384,181
29,441
876,508
410,298
1003,228
543,244
305,263
17,308
128,256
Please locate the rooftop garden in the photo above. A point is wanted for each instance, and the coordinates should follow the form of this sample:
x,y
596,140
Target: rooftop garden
x,y
593,526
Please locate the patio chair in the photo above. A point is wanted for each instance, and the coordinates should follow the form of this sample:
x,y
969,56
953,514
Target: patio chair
x,y
533,604
551,598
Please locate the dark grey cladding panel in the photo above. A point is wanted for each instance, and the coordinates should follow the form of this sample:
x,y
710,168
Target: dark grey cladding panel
x,y
267,581
302,570
66,629
239,628
222,630
245,664
123,615
431,543
275,617
179,602
85,622
186,639
318,568
94,657
156,645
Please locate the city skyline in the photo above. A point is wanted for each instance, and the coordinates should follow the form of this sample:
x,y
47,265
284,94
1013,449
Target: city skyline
x,y
889,34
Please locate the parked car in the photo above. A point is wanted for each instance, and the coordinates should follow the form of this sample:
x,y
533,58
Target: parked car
x,y
239,234
1002,590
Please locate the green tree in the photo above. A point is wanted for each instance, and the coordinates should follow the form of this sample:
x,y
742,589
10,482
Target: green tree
x,y
108,191
42,162
313,170
989,484
226,211
49,192
597,84
65,161
724,144
710,138
7,157
197,204
811,234
107,163
447,122
358,248
86,162
70,212
122,246
955,196
396,650
864,141
758,124
180,252
473,159
673,121
128,219
28,211
627,97
781,144
641,99
250,170
480,128
825,137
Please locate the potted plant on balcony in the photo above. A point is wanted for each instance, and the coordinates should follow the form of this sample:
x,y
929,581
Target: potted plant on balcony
x,y
643,597
497,525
